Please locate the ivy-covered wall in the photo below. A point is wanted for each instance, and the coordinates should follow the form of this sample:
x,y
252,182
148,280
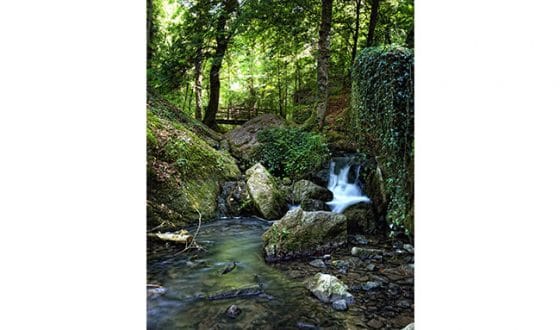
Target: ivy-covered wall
x,y
383,119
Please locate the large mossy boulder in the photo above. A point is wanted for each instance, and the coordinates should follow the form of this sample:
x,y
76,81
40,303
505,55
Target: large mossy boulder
x,y
242,141
184,170
264,191
383,119
301,234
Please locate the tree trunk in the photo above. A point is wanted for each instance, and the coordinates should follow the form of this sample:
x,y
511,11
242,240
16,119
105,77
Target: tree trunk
x,y
198,84
149,31
356,31
372,23
323,62
410,38
222,40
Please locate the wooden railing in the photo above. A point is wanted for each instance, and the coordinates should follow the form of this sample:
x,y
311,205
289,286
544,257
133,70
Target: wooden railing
x,y
237,115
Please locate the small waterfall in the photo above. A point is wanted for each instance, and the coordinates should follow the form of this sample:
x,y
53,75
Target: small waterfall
x,y
344,192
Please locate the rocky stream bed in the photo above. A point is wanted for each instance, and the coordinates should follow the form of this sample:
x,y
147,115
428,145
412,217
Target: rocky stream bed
x,y
230,286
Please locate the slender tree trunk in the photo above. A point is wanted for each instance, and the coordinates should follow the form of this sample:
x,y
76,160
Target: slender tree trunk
x,y
222,41
214,99
356,31
198,84
410,38
323,62
372,23
280,108
149,31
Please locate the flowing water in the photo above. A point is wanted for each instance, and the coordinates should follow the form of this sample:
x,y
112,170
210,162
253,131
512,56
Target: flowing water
x,y
346,192
195,294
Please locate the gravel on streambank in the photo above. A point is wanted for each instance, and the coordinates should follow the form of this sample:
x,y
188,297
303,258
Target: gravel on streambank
x,y
382,285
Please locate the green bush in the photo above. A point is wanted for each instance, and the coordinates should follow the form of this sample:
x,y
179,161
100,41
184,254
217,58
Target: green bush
x,y
291,152
383,117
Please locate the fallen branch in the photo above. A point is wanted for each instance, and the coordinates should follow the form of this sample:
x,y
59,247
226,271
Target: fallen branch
x,y
189,244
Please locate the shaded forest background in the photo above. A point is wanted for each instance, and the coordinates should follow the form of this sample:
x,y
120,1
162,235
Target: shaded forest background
x,y
265,55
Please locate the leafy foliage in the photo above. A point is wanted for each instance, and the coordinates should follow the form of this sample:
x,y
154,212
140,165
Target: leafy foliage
x,y
383,116
291,152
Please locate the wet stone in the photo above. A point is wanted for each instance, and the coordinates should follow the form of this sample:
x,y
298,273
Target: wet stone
x,y
318,263
394,289
340,305
408,248
358,240
403,303
370,285
370,267
306,326
233,311
375,324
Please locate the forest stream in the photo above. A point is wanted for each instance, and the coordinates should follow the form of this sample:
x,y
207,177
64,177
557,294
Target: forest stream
x,y
194,290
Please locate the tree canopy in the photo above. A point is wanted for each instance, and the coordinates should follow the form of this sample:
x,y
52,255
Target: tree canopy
x,y
208,55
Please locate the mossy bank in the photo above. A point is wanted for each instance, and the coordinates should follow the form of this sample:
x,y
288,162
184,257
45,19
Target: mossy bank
x,y
184,169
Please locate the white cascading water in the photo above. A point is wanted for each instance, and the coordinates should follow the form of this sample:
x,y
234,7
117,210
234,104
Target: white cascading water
x,y
344,192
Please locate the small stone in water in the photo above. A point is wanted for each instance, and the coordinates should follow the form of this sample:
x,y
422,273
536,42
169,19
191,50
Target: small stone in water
x,y
371,285
307,326
340,305
327,257
359,239
370,267
318,263
233,311
409,248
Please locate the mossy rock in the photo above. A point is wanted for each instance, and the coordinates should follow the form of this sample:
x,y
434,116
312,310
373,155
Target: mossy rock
x,y
305,189
263,189
184,173
300,234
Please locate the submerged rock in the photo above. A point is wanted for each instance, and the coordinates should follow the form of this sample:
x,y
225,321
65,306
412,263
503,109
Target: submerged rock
x,y
327,288
248,291
306,326
264,192
233,311
301,233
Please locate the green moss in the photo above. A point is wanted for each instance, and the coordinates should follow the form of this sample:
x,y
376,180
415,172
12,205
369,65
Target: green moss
x,y
184,171
383,118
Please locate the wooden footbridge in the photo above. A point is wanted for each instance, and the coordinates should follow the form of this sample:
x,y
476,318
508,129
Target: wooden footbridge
x,y
237,115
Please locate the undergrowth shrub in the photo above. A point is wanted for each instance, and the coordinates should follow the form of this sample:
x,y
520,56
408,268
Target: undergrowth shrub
x,y
383,118
291,152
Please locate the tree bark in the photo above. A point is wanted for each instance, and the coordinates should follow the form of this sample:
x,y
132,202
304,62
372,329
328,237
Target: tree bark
x,y
356,31
149,31
372,23
410,38
198,84
323,62
222,41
